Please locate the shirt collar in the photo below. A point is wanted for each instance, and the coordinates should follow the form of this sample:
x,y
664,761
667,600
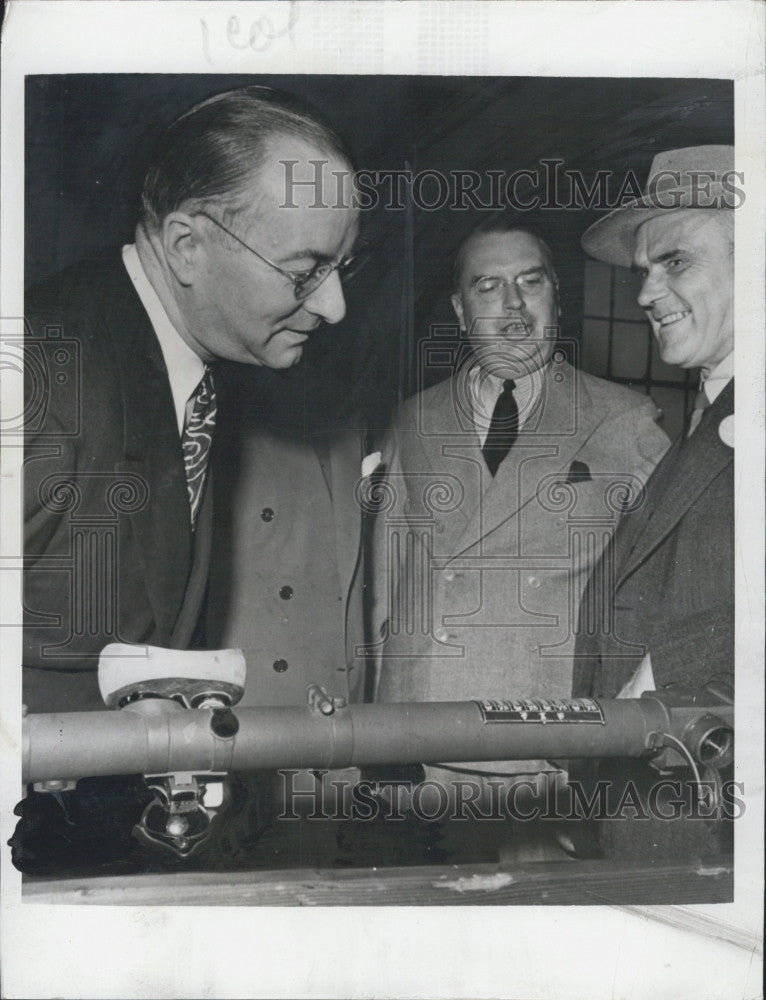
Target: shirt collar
x,y
185,368
719,378
485,389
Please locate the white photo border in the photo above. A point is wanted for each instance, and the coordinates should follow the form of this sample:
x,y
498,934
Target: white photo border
x,y
572,952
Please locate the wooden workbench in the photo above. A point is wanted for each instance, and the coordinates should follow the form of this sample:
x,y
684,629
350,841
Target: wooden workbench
x,y
546,883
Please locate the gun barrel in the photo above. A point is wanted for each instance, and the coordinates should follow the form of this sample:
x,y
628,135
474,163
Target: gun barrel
x,y
131,741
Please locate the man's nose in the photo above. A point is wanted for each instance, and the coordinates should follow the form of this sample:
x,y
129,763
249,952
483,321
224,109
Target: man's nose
x,y
654,287
512,296
327,301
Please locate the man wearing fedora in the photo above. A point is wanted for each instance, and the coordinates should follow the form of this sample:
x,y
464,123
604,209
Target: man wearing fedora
x,y
666,614
671,603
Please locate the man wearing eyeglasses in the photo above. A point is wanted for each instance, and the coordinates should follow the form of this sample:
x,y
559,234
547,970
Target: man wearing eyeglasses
x,y
118,470
508,480
119,530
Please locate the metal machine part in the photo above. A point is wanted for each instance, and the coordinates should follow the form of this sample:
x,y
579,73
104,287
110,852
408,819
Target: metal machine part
x,y
668,726
185,804
155,684
177,725
128,673
179,817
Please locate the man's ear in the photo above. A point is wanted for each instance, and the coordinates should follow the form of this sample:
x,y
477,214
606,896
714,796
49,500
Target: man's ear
x,y
181,245
457,305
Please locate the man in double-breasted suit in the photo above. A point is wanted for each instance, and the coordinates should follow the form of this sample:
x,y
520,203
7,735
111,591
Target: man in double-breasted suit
x,y
507,482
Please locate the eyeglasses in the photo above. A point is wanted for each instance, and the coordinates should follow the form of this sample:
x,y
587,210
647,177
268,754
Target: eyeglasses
x,y
304,282
491,287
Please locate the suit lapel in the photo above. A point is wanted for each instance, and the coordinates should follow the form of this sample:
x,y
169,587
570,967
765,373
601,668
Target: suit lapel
x,y
345,461
685,472
322,449
196,588
152,451
449,447
553,435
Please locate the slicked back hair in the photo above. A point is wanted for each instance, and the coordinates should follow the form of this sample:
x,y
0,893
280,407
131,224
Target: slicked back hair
x,y
209,154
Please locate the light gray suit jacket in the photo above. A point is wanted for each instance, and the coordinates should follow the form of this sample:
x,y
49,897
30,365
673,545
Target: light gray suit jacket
x,y
478,580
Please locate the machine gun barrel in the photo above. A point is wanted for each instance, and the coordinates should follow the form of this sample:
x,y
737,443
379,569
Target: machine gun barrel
x,y
161,736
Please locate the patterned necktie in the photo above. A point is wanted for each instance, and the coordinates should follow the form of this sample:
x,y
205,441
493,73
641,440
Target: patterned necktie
x,y
503,429
701,403
196,441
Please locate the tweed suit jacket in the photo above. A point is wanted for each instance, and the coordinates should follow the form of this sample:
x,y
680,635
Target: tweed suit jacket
x,y
672,567
109,551
484,575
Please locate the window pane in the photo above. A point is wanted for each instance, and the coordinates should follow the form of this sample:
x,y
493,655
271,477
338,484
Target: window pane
x,y
630,347
595,345
598,278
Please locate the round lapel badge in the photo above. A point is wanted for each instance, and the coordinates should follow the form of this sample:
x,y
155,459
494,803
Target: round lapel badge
x,y
726,430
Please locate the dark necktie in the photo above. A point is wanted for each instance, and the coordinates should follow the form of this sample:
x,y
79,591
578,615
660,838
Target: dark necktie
x,y
196,441
503,429
701,403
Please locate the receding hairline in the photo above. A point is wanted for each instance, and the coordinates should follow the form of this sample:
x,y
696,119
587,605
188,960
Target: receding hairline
x,y
241,126
480,233
270,157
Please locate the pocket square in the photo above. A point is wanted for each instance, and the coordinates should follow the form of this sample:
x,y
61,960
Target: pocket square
x,y
579,473
370,463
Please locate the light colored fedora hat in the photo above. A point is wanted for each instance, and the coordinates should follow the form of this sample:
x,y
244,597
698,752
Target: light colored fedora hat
x,y
694,177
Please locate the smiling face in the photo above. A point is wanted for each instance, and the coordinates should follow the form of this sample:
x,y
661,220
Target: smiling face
x,y
240,308
507,302
686,259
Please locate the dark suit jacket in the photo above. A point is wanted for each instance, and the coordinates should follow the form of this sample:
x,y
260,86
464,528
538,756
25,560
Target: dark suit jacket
x,y
672,563
109,552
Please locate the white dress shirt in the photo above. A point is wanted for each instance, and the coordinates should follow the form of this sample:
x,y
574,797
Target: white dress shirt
x,y
719,378
185,368
484,390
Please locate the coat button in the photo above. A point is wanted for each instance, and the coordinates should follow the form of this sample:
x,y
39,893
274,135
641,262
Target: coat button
x,y
449,575
267,514
286,592
280,666
533,581
441,635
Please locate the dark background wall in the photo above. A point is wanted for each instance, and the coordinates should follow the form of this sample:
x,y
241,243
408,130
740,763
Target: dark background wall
x,y
87,137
